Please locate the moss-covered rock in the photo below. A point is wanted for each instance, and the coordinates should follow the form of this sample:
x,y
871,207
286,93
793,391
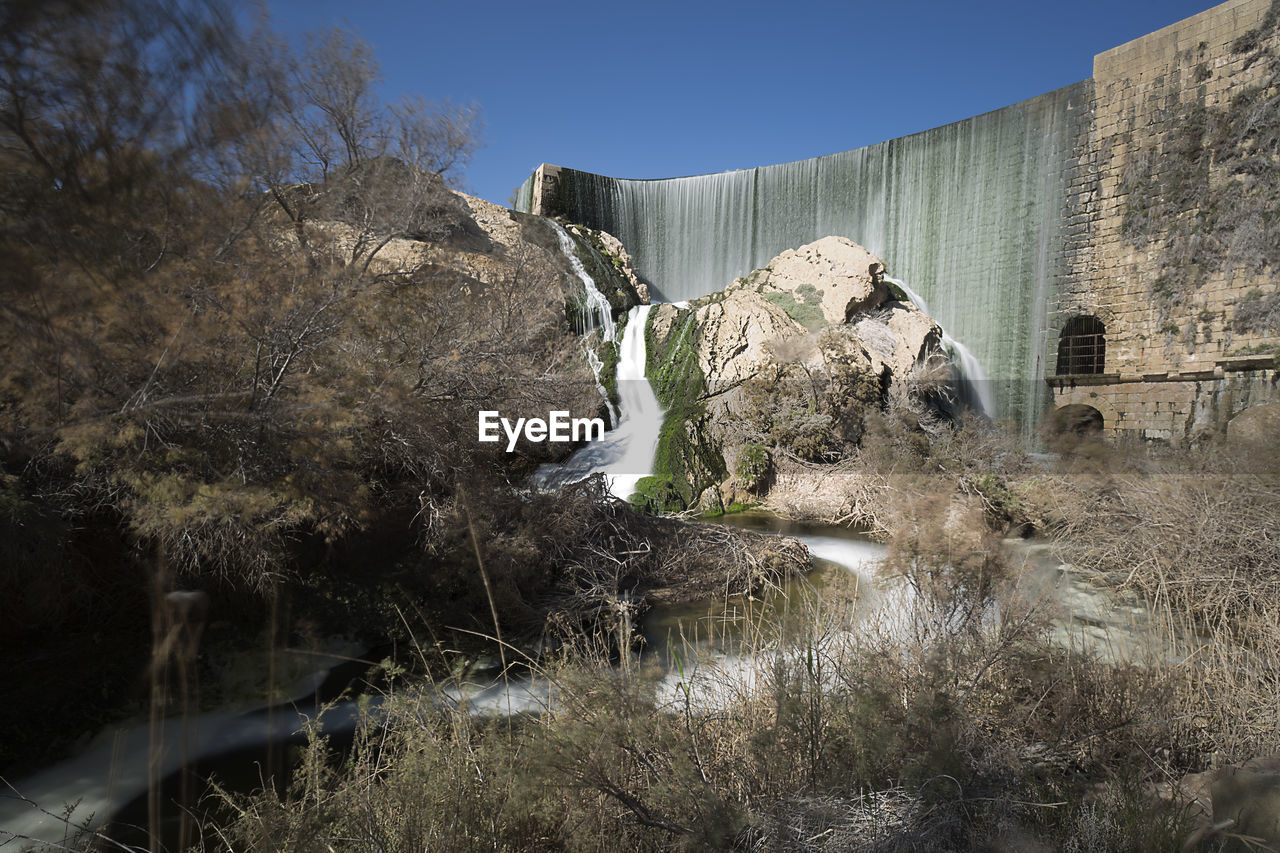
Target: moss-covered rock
x,y
608,263
688,460
783,361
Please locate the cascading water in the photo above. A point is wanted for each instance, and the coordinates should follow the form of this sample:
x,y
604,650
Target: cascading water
x,y
598,314
973,208
625,454
971,379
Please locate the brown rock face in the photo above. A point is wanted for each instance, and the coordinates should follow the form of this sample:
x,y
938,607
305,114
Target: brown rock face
x,y
1256,425
1251,802
834,274
734,335
822,303
816,321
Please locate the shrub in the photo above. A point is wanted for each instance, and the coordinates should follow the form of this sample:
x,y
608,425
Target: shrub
x,y
753,467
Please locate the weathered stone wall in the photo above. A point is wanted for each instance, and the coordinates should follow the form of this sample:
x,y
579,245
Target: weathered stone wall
x,y
1176,365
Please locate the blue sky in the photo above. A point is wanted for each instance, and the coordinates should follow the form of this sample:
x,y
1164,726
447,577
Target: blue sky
x,y
660,89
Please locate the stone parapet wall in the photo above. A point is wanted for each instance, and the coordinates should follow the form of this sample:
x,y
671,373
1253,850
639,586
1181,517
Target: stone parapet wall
x,y
1168,409
546,184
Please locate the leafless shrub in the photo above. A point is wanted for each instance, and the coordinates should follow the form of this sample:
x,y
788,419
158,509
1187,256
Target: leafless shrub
x,y
1195,538
1257,314
877,821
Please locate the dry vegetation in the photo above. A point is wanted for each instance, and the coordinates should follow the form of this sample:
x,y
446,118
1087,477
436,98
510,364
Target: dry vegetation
x,y
244,326
205,378
950,720
1197,538
953,723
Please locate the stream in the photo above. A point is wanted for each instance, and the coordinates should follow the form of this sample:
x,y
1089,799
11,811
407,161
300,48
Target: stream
x,y
699,654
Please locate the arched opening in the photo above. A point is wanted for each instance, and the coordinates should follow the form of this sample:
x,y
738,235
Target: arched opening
x,y
1075,419
1082,346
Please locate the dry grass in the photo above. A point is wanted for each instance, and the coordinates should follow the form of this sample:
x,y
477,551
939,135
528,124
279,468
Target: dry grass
x,y
934,713
945,722
1196,537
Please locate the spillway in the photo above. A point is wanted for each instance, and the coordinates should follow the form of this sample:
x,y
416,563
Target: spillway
x,y
971,213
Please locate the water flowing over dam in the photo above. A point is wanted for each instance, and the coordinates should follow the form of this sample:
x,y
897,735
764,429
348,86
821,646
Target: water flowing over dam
x,y
972,213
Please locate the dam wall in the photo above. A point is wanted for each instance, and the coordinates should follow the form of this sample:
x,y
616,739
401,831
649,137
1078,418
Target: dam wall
x,y
1028,229
1176,297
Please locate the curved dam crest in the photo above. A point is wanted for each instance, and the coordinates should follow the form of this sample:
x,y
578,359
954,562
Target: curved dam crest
x,y
971,214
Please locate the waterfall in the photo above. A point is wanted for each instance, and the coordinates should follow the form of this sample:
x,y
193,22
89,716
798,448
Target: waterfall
x,y
625,454
598,315
524,194
974,209
971,379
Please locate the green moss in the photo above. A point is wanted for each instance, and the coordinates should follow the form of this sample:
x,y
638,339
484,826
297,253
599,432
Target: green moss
x,y
605,270
730,509
805,313
897,294
809,294
656,495
608,352
686,461
754,465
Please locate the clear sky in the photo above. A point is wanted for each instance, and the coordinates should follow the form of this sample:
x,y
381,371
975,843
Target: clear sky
x,y
658,89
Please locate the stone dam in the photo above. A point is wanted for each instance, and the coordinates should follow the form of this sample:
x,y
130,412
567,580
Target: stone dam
x,y
1107,250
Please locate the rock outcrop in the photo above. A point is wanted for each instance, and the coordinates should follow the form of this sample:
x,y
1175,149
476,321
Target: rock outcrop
x,y
1231,803
835,275
785,360
1255,425
618,260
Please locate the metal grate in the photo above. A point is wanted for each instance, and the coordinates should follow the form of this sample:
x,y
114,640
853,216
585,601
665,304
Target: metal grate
x,y
1082,347
1082,353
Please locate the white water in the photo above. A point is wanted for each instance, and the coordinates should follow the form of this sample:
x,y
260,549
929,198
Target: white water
x,y
703,679
974,208
710,677
114,772
599,315
596,366
625,454
91,788
975,386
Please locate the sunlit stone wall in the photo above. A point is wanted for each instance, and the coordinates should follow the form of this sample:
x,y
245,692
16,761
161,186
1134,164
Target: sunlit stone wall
x,y
1177,365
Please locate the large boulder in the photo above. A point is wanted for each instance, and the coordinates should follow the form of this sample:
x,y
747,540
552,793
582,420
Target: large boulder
x,y
1251,803
789,354
1228,804
734,335
824,298
835,275
1256,425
